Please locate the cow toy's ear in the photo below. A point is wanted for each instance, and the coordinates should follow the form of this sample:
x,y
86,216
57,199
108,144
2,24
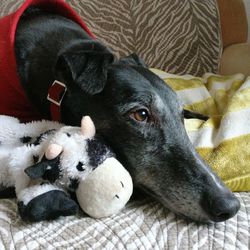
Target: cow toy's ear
x,y
85,65
46,170
87,127
37,170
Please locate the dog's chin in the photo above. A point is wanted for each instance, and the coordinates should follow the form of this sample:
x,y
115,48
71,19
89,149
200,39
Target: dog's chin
x,y
199,218
190,218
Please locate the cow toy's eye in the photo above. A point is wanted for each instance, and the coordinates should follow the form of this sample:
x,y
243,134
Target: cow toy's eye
x,y
140,115
79,166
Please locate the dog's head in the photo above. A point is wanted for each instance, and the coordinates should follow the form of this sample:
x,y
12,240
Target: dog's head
x,y
142,119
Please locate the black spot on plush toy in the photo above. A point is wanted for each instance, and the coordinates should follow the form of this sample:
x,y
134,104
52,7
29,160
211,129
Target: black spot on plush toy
x,y
56,159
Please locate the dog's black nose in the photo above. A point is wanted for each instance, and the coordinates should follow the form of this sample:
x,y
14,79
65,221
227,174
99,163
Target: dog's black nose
x,y
221,208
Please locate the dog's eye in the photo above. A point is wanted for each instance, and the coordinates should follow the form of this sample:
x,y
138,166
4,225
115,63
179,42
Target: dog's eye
x,y
140,115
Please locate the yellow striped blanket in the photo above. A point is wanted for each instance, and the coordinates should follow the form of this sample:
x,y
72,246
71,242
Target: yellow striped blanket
x,y
224,139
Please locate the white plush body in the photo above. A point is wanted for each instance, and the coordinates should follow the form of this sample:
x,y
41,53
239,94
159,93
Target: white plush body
x,y
98,185
16,156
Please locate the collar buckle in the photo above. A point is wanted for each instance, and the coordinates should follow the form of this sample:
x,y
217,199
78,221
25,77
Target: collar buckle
x,y
57,92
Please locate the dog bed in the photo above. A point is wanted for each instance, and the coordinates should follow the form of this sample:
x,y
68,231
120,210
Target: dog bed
x,y
143,224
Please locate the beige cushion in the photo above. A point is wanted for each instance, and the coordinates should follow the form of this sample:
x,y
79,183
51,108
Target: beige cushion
x,y
233,21
236,59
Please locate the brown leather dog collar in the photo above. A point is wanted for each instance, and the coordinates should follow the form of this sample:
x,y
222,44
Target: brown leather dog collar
x,y
55,96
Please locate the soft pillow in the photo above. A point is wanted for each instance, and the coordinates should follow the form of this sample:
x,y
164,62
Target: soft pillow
x,y
224,139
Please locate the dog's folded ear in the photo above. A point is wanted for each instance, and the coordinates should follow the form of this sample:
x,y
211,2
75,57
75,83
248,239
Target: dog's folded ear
x,y
132,59
190,114
86,65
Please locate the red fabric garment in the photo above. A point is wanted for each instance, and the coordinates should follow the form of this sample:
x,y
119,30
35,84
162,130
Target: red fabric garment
x,y
13,100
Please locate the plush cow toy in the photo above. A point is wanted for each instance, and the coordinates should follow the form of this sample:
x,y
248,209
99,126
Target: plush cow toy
x,y
45,160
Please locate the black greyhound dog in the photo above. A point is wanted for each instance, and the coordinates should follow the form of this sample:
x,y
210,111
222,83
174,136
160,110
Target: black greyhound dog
x,y
133,109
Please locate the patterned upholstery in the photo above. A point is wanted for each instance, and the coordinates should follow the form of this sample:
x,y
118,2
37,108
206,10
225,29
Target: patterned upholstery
x,y
179,36
141,225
